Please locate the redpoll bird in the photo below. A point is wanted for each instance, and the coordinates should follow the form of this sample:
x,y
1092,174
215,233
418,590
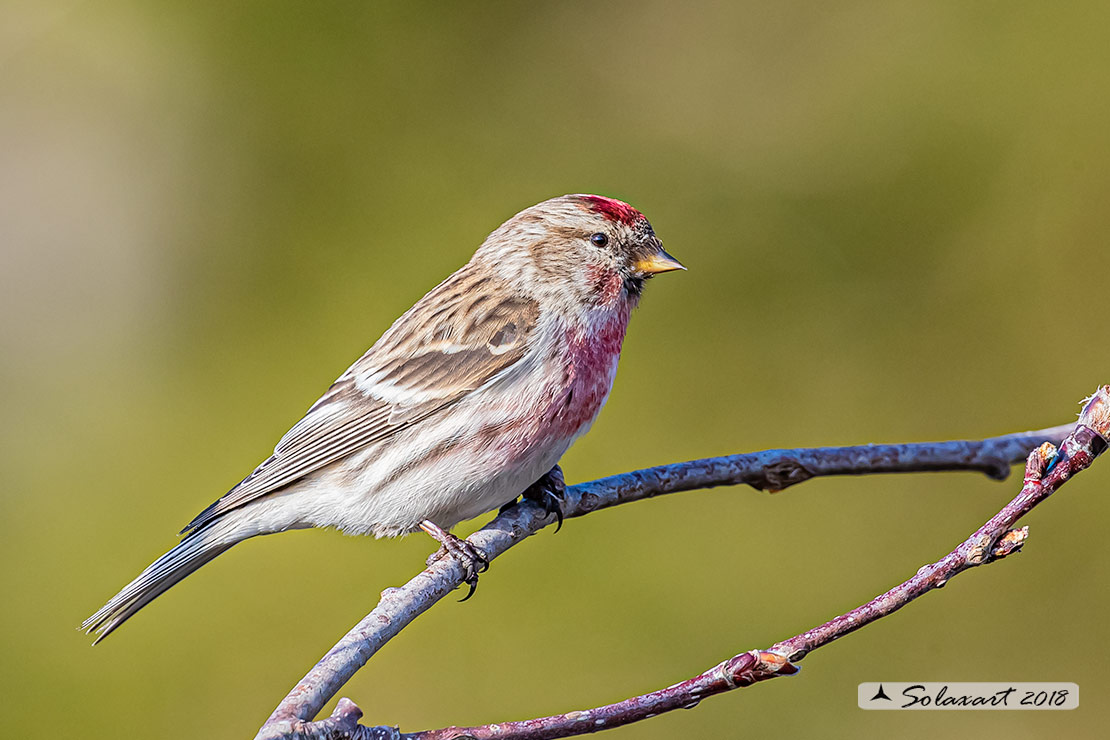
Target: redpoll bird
x,y
469,399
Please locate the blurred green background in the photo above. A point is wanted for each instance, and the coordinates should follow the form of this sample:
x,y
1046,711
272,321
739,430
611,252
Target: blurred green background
x,y
894,215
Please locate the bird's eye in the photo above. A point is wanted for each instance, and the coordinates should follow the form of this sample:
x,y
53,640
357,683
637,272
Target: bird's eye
x,y
599,239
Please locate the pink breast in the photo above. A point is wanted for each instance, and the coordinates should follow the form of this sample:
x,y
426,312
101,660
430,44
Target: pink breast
x,y
591,367
577,386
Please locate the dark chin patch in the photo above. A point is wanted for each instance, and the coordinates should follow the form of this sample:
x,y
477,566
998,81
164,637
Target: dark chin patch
x,y
633,286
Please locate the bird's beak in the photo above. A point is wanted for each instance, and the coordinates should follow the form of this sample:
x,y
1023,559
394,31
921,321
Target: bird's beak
x,y
656,263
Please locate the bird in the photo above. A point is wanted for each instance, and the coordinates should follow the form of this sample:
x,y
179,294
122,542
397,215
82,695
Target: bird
x,y
465,403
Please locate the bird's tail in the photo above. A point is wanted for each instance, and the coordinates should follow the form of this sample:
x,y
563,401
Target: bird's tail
x,y
191,553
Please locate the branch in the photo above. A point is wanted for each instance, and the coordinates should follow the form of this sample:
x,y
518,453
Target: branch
x,y
768,470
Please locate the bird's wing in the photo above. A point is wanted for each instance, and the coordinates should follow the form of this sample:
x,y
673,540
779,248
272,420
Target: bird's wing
x,y
461,335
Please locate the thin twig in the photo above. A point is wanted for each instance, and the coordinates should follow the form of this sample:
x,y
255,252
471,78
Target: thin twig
x,y
1046,470
771,469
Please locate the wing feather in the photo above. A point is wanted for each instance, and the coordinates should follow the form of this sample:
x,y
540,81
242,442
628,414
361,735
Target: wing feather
x,y
453,341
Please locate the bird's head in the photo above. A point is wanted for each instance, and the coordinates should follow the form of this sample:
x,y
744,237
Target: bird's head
x,y
581,249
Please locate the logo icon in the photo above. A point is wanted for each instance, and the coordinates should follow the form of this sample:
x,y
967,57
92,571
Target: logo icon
x,y
880,694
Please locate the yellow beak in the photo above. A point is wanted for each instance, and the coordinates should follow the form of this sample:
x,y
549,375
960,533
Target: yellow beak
x,y
658,262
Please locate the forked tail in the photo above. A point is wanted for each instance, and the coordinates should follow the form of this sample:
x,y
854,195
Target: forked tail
x,y
191,553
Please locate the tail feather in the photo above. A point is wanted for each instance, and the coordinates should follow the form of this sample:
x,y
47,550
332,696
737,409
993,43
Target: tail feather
x,y
191,553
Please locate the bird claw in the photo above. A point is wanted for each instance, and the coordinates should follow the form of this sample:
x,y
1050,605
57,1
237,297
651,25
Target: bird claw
x,y
549,492
472,560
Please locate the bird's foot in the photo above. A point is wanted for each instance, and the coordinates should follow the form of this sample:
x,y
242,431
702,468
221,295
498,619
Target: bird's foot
x,y
549,492
472,559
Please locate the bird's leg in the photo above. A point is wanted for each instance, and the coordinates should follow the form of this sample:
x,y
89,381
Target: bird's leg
x,y
470,557
548,492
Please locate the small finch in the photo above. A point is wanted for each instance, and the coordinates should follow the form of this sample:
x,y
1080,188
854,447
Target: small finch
x,y
468,400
